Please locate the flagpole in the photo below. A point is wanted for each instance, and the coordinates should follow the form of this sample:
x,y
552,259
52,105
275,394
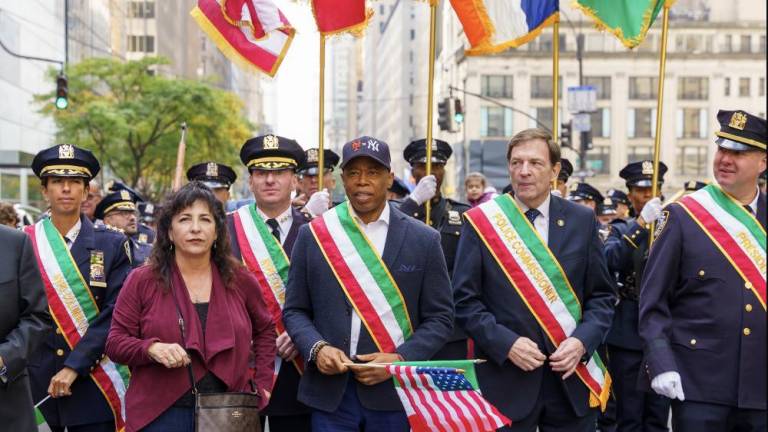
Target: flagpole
x,y
180,156
659,107
430,97
321,121
555,81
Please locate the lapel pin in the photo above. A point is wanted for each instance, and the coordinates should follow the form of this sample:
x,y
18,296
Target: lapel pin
x,y
560,222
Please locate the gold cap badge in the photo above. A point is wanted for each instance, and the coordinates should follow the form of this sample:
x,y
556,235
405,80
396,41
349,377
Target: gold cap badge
x,y
125,195
647,168
312,156
66,151
212,169
271,142
738,120
608,202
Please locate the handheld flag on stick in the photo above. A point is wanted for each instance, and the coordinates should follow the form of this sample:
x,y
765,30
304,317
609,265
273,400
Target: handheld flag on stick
x,y
436,397
340,16
628,20
494,26
254,34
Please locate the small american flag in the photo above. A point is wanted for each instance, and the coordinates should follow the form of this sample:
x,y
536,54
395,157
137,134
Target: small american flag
x,y
442,399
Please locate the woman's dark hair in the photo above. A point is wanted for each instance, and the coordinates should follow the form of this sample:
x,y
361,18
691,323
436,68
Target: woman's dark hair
x,y
162,257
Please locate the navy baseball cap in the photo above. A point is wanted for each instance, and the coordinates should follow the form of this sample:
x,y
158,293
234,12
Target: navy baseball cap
x,y
366,146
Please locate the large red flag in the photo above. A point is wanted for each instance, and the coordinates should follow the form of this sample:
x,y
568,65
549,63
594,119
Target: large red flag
x,y
340,16
252,33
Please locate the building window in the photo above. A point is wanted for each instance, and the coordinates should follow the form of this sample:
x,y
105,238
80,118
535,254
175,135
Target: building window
x,y
602,85
599,160
498,86
544,43
541,87
544,116
692,161
495,122
601,123
727,85
761,47
141,9
640,122
761,87
639,153
746,44
144,44
728,44
693,88
692,123
690,43
744,87
641,88
413,34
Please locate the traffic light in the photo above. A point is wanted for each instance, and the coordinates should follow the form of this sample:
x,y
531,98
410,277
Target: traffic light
x,y
458,112
566,134
61,91
444,115
586,141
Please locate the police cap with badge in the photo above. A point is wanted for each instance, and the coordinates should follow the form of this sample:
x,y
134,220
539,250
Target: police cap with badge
x,y
271,153
65,160
741,131
212,174
584,191
115,201
607,207
640,174
312,159
117,186
618,197
566,170
416,151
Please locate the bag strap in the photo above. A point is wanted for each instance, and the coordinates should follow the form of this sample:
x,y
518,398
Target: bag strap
x,y
183,337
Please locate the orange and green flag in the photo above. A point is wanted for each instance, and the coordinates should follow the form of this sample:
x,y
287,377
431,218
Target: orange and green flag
x,y
628,20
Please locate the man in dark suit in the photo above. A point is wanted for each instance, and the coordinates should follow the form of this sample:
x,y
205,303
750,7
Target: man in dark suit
x,y
96,260
535,379
324,310
702,297
24,321
272,162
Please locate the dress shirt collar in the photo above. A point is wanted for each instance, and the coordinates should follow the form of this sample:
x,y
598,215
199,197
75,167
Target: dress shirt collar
x,y
543,208
383,217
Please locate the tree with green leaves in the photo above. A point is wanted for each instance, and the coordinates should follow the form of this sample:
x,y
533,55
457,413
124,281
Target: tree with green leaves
x,y
131,119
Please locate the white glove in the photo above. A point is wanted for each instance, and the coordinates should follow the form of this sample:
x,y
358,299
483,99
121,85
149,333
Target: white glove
x,y
424,190
651,210
668,384
318,203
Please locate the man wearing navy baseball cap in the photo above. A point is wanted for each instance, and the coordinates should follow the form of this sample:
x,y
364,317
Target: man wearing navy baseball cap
x,y
345,259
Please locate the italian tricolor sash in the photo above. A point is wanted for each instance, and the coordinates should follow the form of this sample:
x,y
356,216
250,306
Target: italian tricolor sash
x,y
264,256
734,230
73,308
539,280
364,277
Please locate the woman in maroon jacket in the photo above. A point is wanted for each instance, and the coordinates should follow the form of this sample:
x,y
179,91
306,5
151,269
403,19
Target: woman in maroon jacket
x,y
230,337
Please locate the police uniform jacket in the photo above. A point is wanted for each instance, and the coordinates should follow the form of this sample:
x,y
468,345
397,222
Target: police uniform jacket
x,y
86,404
697,317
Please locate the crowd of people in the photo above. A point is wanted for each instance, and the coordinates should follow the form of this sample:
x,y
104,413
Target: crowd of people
x,y
591,311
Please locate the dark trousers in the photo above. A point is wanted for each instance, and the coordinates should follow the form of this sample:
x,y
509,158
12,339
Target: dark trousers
x,y
636,410
93,427
553,412
352,416
174,419
288,423
689,416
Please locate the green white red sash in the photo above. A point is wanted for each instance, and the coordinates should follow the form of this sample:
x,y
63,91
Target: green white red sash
x,y
264,256
73,308
364,277
539,280
734,230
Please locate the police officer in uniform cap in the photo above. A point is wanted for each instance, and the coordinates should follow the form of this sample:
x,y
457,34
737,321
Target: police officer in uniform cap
x,y
702,304
218,177
622,203
272,162
445,214
312,199
566,171
586,195
145,233
101,256
626,250
118,210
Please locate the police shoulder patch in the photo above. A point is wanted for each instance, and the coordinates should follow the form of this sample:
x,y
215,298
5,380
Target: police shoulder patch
x,y
454,218
661,223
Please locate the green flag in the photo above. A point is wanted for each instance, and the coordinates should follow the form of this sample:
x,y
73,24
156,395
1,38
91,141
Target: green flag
x,y
39,417
628,20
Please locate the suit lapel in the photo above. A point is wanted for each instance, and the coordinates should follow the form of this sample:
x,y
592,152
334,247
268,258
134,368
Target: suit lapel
x,y
761,209
556,225
81,249
395,237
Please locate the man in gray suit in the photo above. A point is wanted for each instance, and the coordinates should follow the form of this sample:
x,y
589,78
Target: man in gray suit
x,y
24,320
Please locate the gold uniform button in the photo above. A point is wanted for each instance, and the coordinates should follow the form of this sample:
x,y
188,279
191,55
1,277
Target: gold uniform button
x,y
693,341
747,331
58,331
59,352
748,308
748,285
701,273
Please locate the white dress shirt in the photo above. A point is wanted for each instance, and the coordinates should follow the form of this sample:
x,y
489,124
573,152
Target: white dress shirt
x,y
376,232
71,235
753,204
284,221
542,221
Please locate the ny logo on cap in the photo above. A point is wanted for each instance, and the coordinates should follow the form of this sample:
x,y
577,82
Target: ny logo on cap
x,y
738,120
212,169
66,151
312,156
372,145
125,195
271,143
647,168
